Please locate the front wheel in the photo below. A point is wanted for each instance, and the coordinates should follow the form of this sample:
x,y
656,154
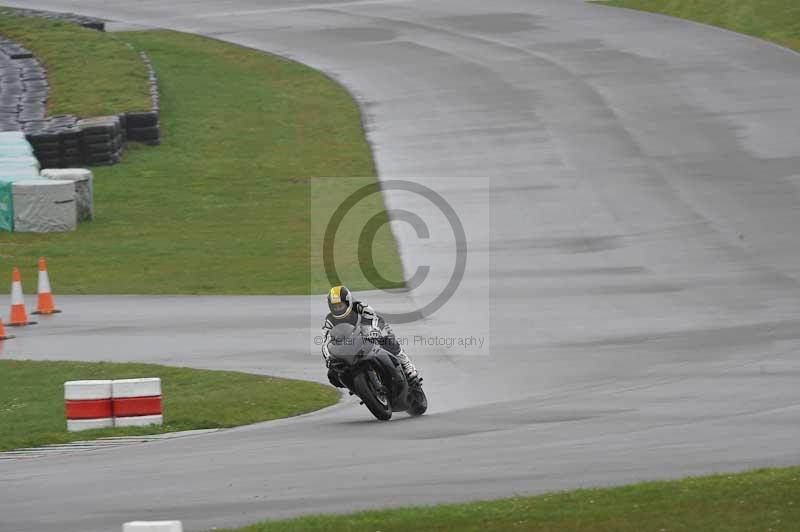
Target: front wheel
x,y
370,389
418,401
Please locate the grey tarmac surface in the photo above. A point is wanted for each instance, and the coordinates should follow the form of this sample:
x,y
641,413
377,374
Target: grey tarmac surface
x,y
643,182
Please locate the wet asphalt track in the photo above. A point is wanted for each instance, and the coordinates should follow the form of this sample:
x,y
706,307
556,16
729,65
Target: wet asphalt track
x,y
642,250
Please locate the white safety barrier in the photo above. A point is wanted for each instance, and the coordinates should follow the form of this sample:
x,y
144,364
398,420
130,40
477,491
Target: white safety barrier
x,y
87,405
44,206
83,188
16,148
153,526
11,136
14,144
19,170
8,158
137,402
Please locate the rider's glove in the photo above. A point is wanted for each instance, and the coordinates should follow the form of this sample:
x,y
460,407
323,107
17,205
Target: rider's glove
x,y
374,334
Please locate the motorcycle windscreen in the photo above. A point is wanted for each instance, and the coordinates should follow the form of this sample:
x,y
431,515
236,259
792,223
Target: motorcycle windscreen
x,y
346,347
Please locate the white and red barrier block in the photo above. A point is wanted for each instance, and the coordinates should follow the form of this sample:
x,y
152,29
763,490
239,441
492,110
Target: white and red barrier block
x,y
136,402
87,405
153,526
102,404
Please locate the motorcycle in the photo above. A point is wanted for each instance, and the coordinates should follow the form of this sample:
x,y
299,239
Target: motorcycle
x,y
373,374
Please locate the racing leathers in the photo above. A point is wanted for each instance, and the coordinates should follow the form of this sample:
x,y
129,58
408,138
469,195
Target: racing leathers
x,y
379,332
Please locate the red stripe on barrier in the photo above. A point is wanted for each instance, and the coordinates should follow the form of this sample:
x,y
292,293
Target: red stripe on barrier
x,y
88,408
137,406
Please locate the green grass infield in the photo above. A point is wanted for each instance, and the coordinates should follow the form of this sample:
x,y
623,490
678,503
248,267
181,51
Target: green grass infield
x,y
766,500
224,205
91,73
32,399
774,20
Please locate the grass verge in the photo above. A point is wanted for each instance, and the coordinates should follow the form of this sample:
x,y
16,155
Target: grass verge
x,y
223,206
90,73
767,500
774,20
32,399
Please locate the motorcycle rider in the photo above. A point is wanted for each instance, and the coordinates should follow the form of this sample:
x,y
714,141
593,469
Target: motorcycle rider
x,y
344,309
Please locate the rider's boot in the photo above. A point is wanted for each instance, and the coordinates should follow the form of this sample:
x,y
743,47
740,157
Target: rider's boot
x,y
408,368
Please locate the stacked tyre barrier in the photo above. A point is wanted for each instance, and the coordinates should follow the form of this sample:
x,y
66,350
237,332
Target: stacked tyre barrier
x,y
80,20
56,141
144,127
23,102
155,103
102,139
64,141
23,87
98,404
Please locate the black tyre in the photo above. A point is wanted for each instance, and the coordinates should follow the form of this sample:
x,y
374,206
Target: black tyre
x,y
141,119
44,138
370,389
98,147
418,401
143,133
48,154
96,138
98,130
95,156
95,25
50,146
98,158
50,163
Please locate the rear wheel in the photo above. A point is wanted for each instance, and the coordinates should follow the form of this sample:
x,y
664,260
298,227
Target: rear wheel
x,y
370,389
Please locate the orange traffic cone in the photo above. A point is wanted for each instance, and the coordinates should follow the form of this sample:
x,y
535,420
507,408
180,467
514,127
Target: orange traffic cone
x,y
3,335
45,302
18,314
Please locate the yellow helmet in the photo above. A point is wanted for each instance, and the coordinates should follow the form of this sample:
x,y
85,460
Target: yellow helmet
x,y
340,302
